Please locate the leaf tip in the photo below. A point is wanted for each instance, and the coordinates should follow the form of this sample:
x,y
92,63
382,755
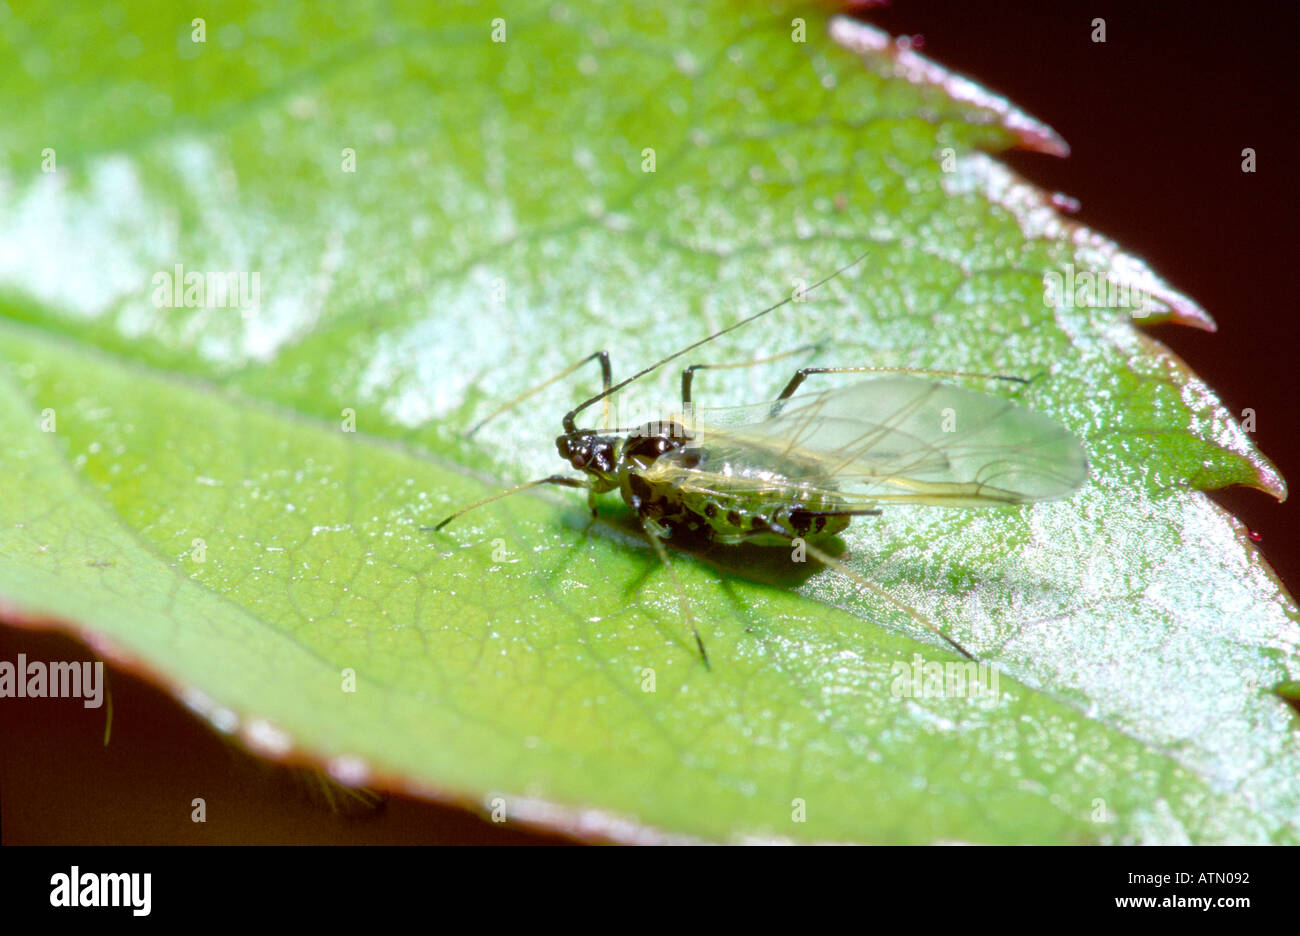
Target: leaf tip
x,y
877,49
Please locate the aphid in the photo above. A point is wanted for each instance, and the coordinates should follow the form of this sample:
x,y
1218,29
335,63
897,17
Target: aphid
x,y
798,469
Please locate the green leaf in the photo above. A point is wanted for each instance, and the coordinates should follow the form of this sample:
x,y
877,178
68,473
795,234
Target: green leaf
x,y
183,487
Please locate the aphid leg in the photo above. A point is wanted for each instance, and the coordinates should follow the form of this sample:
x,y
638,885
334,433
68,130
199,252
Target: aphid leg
x,y
804,373
570,418
657,543
833,563
553,479
689,373
606,378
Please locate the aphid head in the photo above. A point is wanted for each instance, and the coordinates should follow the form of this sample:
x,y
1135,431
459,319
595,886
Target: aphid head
x,y
587,452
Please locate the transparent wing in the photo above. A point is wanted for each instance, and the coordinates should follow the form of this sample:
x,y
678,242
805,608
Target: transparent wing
x,y
897,438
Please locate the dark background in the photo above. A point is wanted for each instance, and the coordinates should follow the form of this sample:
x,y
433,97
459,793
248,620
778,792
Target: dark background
x,y
1157,118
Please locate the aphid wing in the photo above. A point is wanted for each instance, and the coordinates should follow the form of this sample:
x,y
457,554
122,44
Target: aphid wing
x,y
911,439
725,464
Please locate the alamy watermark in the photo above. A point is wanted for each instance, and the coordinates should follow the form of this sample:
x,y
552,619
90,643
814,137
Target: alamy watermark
x,y
87,889
931,679
36,680
176,289
1086,290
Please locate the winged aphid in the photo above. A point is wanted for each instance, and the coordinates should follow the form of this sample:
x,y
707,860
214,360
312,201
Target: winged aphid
x,y
802,466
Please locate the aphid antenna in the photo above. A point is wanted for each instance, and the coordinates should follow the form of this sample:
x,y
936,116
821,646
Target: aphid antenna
x,y
924,372
510,404
570,425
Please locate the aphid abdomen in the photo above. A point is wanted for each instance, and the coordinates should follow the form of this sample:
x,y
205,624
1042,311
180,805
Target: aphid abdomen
x,y
765,521
765,517
661,504
812,524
